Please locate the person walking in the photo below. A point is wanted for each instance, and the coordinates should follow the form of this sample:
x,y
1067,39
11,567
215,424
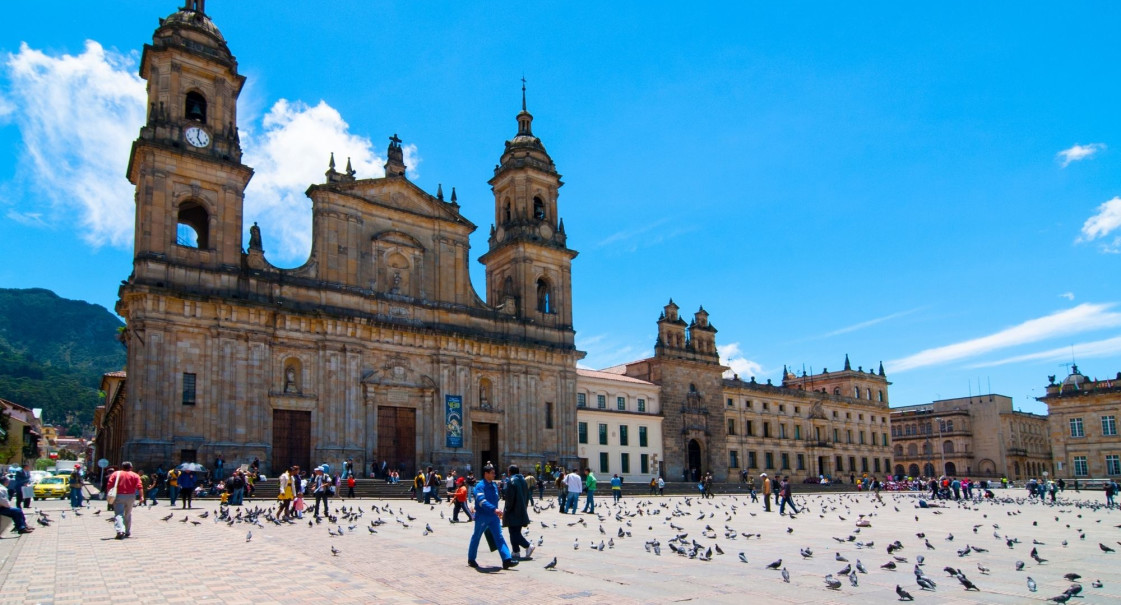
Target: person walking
x,y
590,484
173,485
285,494
187,483
21,480
766,492
515,514
129,490
531,483
76,487
459,503
574,484
661,486
488,519
616,488
320,483
786,499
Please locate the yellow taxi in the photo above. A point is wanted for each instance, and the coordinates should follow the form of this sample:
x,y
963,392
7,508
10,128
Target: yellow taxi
x,y
53,487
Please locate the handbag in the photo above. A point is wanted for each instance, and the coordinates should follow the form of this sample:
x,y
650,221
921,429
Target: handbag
x,y
112,496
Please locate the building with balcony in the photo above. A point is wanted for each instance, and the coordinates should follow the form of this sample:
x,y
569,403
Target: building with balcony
x,y
1082,425
979,436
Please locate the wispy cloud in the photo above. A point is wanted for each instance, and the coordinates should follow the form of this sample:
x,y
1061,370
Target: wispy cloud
x,y
1078,153
644,236
870,323
604,351
1105,220
1067,295
78,115
1085,350
629,234
30,219
733,357
1084,317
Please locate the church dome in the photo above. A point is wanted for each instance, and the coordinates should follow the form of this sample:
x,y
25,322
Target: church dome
x,y
195,20
1075,379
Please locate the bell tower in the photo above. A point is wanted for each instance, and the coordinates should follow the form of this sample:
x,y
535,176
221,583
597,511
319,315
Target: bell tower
x,y
528,264
186,163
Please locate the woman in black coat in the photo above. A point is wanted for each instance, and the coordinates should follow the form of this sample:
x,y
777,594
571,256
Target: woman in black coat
x,y
515,516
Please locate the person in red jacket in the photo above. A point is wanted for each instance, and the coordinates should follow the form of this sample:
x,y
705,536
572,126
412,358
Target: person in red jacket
x,y
460,499
129,492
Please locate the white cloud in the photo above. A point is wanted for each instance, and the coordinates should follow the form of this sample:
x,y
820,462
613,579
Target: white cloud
x,y
292,152
869,323
77,117
1067,295
1078,153
30,219
1085,350
1105,221
1084,317
733,357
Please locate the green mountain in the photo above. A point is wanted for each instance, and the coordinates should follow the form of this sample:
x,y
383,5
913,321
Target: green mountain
x,y
53,352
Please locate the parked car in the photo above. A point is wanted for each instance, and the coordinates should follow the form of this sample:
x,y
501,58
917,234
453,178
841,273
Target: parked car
x,y
37,476
53,487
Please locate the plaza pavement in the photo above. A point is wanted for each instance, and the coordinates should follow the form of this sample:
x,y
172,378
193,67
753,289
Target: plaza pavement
x,y
75,560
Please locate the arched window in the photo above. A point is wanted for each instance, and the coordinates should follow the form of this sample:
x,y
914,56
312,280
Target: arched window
x,y
508,211
899,450
837,391
692,388
869,393
881,395
544,297
195,107
508,286
947,447
856,392
912,450
949,425
193,229
484,393
926,449
538,208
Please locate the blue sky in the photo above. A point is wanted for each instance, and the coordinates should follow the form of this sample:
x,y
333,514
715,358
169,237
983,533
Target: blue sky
x,y
935,186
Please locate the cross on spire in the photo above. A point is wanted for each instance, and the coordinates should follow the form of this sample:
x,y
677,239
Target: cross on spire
x,y
523,92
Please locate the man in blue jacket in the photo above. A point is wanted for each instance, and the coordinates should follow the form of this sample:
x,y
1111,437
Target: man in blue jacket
x,y
488,519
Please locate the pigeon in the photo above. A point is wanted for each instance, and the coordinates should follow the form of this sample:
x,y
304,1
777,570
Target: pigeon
x,y
335,552
785,575
1072,577
1063,598
925,583
1035,555
1104,547
1019,565
806,553
775,565
551,564
1096,584
840,558
576,544
981,568
889,565
966,583
860,567
743,557
167,518
249,536
903,594
832,583
852,579
1032,586
845,570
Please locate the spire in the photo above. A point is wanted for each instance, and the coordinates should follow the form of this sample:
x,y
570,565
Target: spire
x,y
453,195
440,191
882,369
523,93
331,164
525,119
349,170
395,162
848,366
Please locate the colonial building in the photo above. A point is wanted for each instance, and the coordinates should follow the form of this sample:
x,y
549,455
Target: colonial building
x,y
1082,420
619,425
832,423
378,347
979,436
20,433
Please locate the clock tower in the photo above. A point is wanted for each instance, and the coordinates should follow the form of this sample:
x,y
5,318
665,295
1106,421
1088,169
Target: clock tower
x,y
186,163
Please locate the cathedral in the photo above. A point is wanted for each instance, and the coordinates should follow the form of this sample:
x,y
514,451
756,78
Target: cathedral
x,y
378,348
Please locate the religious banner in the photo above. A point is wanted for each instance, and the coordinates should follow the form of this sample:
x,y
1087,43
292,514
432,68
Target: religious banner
x,y
453,405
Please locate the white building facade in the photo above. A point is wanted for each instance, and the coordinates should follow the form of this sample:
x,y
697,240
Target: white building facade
x,y
619,426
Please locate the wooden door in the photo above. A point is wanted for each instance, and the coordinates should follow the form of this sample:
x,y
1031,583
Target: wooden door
x,y
291,440
397,438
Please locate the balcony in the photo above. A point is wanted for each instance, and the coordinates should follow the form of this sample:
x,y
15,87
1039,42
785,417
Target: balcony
x,y
1017,451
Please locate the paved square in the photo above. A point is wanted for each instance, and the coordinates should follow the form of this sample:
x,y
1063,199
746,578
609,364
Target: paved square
x,y
75,560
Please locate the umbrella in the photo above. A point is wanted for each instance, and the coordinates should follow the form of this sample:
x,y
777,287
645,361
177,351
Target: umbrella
x,y
192,466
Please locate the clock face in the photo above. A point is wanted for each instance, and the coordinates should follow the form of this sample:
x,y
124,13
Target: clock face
x,y
197,136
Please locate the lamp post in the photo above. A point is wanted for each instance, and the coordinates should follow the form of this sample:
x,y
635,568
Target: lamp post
x,y
941,449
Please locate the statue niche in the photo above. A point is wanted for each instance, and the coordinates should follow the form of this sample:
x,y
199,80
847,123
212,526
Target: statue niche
x,y
397,260
292,372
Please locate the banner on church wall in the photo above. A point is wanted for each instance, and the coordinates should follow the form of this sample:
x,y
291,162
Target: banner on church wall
x,y
453,405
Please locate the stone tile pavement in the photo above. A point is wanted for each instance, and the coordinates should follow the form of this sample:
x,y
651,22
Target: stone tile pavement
x,y
75,560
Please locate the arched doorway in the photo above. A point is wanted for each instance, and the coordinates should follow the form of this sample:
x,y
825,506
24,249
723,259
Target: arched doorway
x,y
928,469
913,470
951,469
898,470
694,459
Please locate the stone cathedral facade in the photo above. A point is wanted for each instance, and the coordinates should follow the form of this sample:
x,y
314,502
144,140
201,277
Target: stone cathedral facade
x,y
378,347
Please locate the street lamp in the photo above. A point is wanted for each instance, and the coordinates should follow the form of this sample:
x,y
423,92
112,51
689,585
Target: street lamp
x,y
941,449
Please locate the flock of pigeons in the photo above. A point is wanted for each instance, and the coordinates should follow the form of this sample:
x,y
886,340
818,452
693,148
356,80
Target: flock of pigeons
x,y
694,529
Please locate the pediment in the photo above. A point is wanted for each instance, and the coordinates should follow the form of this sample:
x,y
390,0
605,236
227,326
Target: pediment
x,y
399,194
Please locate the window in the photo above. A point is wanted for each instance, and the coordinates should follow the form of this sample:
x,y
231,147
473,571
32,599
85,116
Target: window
x,y
1113,465
625,462
734,459
1076,428
603,434
548,414
797,431
840,464
797,410
643,463
188,456
601,402
852,464
621,404
873,437
781,408
881,396
766,429
603,466
836,435
950,425
193,226
624,439
1109,426
848,436
769,460
801,462
642,437
747,403
861,435
581,400
1080,469
538,208
749,428
731,426
782,431
544,297
863,465
642,406
751,462
876,464
582,428
731,403
764,406
856,392
785,460
188,389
